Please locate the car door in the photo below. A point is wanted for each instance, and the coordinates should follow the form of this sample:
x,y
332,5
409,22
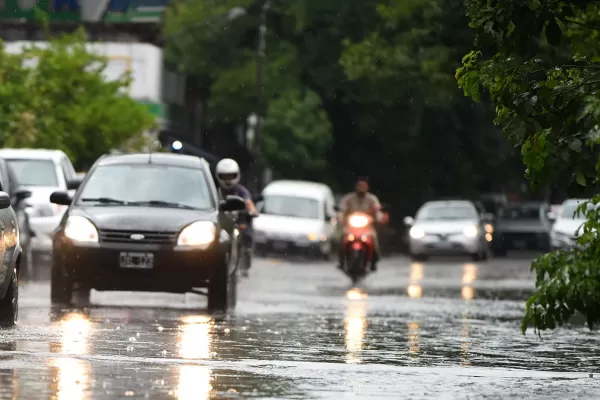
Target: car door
x,y
8,238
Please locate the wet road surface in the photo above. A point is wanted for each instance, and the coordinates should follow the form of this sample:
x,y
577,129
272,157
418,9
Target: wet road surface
x,y
441,329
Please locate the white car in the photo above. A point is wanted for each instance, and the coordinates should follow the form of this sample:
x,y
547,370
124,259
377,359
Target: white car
x,y
452,227
567,226
295,218
42,172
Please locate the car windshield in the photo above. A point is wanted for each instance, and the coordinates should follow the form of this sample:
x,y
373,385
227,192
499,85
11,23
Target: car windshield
x,y
569,211
34,172
444,212
291,206
155,185
520,213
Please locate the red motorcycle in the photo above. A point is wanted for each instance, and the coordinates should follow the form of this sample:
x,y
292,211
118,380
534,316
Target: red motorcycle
x,y
359,232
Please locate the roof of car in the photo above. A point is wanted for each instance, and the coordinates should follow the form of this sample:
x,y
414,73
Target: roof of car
x,y
449,203
36,154
296,187
574,201
181,160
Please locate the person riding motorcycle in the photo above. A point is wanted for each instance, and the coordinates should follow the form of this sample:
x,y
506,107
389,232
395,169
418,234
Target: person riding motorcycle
x,y
361,201
228,175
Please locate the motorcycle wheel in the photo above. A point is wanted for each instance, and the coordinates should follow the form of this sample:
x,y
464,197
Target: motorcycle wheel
x,y
356,268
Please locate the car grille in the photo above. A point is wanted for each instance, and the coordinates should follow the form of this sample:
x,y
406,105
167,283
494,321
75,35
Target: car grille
x,y
150,237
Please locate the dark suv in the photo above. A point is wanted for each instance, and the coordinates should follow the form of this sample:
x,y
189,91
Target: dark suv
x,y
521,226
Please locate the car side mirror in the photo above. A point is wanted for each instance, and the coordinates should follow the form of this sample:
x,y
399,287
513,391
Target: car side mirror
x,y
61,198
22,194
74,184
232,203
551,216
4,200
409,221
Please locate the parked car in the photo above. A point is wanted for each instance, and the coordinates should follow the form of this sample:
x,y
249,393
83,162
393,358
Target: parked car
x,y
18,196
41,172
567,225
452,227
522,226
10,252
146,222
296,218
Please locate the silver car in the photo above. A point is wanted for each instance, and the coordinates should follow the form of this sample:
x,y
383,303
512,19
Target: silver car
x,y
448,228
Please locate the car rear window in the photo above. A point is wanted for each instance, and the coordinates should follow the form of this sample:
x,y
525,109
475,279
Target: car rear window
x,y
446,212
34,172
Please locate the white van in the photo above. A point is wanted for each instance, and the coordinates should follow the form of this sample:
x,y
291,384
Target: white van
x,y
296,218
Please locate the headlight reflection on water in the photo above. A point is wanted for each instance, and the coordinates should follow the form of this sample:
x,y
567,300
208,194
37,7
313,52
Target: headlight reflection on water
x,y
465,345
355,325
413,338
195,342
73,373
469,276
416,276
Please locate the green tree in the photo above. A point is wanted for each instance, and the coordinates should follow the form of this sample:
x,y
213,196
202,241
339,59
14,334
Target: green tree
x,y
539,62
56,96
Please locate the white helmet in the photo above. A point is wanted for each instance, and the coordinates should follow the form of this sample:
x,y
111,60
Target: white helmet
x,y
228,173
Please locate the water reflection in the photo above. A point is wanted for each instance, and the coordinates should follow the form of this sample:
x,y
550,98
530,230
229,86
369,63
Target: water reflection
x,y
195,342
416,276
465,345
413,338
73,374
355,326
469,276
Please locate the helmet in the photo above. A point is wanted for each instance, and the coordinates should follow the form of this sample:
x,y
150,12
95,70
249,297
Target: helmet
x,y
228,173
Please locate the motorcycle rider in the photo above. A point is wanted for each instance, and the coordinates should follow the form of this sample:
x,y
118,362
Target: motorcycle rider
x,y
361,201
228,175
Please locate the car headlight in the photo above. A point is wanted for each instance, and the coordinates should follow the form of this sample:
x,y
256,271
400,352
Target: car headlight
x,y
417,233
470,231
358,221
80,229
489,228
199,233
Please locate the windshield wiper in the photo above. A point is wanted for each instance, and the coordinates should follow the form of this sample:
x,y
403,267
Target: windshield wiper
x,y
161,203
105,200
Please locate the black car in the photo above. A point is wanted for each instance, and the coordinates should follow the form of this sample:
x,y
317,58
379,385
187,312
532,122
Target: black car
x,y
522,226
146,222
18,195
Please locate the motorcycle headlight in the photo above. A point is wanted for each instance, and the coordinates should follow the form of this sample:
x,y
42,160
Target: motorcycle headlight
x,y
199,233
358,221
80,229
470,231
417,233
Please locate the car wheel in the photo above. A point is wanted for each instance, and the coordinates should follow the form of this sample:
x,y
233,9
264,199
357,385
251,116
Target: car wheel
x,y
222,289
27,267
61,287
9,305
81,297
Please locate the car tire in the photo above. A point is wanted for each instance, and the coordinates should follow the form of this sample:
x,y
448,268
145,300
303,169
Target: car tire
x,y
27,266
61,287
81,298
222,289
9,305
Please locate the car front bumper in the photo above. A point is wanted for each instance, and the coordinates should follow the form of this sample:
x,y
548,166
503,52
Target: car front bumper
x,y
175,269
293,248
43,228
454,245
522,240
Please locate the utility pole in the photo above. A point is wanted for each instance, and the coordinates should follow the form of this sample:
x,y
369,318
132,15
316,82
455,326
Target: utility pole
x,y
260,74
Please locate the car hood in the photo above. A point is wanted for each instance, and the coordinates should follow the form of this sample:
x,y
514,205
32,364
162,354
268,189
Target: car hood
x,y
142,218
276,224
567,226
39,194
445,226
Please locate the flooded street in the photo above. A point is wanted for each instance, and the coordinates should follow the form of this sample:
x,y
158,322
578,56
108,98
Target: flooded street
x,y
441,329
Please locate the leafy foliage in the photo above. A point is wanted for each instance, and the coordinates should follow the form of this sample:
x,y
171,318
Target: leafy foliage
x,y
539,61
57,97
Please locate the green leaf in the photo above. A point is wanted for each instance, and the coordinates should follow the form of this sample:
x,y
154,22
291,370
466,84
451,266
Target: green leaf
x,y
580,178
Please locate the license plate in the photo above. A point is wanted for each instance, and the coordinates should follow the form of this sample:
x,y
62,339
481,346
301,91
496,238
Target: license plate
x,y
444,245
137,260
279,245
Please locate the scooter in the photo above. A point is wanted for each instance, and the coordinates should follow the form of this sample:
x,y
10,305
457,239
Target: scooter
x,y
359,232
243,220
